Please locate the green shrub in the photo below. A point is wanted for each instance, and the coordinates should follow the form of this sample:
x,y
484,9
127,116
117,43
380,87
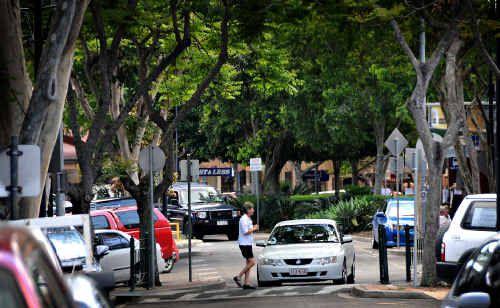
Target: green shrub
x,y
354,214
354,190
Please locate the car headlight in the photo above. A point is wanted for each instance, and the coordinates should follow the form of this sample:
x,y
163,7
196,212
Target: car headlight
x,y
326,260
236,213
273,262
202,215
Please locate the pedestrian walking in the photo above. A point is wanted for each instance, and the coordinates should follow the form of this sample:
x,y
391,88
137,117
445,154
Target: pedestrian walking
x,y
245,241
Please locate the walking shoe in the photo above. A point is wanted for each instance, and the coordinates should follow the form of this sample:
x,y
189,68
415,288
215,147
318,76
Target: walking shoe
x,y
237,281
248,287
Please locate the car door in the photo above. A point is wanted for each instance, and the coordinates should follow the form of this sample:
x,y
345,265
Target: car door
x,y
118,258
174,211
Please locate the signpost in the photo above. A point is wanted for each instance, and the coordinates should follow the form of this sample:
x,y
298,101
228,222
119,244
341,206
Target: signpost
x,y
19,173
189,172
255,168
151,159
396,143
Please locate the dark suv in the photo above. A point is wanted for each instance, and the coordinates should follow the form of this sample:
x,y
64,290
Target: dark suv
x,y
210,213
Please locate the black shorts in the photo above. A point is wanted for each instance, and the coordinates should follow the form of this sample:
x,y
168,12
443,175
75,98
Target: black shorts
x,y
246,251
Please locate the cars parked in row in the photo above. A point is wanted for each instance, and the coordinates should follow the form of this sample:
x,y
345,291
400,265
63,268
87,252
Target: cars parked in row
x,y
210,213
478,281
306,250
30,277
126,219
117,260
388,218
473,223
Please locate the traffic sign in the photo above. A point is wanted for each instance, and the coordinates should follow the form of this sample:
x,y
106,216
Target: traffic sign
x,y
195,169
256,164
28,171
396,142
158,159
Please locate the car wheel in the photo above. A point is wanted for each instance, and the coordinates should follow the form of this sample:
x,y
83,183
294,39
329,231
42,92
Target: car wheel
x,y
343,279
169,264
352,277
374,244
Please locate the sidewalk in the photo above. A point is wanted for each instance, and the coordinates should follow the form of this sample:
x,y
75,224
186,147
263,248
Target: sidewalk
x,y
403,291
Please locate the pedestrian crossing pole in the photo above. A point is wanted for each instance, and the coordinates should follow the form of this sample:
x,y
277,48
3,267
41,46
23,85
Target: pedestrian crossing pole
x,y
190,222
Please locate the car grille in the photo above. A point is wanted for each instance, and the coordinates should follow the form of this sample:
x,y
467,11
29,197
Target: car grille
x,y
221,215
298,261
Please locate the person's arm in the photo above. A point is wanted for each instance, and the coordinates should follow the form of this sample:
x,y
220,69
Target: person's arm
x,y
252,229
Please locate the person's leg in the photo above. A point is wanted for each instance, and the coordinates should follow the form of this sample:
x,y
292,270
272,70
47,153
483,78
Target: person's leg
x,y
245,269
250,264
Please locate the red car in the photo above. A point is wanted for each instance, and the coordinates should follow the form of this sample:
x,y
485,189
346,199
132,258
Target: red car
x,y
28,277
126,219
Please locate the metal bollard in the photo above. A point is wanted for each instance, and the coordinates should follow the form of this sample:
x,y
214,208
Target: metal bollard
x,y
382,251
132,264
408,253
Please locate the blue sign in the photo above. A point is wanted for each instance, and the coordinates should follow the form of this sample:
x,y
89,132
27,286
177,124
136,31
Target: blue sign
x,y
322,175
216,171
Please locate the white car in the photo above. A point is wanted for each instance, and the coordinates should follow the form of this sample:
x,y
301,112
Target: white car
x,y
306,250
473,223
118,258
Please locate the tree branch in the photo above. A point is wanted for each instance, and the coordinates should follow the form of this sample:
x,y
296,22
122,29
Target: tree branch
x,y
402,41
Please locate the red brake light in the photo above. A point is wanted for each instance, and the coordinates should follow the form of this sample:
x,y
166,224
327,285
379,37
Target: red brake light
x,y
443,252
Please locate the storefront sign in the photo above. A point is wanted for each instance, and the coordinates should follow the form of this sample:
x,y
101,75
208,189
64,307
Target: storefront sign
x,y
216,171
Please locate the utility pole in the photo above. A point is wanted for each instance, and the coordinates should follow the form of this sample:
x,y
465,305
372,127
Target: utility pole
x,y
497,134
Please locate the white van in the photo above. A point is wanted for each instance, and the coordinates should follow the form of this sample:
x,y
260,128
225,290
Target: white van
x,y
473,223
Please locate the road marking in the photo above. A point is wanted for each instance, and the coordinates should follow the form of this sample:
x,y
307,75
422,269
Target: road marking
x,y
187,296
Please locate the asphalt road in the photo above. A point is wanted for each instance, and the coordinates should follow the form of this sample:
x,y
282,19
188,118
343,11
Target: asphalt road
x,y
335,300
217,257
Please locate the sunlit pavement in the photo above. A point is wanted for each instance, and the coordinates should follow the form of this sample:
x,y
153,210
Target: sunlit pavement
x,y
218,258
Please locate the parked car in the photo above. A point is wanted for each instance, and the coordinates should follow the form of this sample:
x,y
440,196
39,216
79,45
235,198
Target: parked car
x,y
389,219
118,258
478,281
306,250
85,292
473,223
28,276
71,250
112,203
210,213
126,219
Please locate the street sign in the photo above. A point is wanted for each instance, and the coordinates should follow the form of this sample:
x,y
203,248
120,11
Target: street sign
x,y
256,164
396,142
28,171
158,159
216,172
195,169
392,165
410,158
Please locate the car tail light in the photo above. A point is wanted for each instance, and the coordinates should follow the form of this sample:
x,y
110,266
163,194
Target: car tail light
x,y
443,252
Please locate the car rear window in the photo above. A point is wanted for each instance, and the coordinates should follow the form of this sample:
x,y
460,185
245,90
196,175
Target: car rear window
x,y
481,215
130,219
100,222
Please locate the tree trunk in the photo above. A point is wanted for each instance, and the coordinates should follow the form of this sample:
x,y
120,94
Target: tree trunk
x,y
379,131
298,173
336,177
354,172
15,84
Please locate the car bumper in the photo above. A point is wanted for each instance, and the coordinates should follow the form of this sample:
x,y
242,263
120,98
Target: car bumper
x,y
313,272
392,237
447,271
211,227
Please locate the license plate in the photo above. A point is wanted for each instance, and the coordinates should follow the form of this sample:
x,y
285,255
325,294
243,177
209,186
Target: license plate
x,y
298,272
221,222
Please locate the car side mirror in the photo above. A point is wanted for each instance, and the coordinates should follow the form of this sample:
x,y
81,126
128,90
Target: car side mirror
x,y
260,243
346,239
474,300
101,251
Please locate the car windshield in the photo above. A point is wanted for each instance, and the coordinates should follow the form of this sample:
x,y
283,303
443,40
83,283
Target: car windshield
x,y
68,244
303,234
201,195
405,209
